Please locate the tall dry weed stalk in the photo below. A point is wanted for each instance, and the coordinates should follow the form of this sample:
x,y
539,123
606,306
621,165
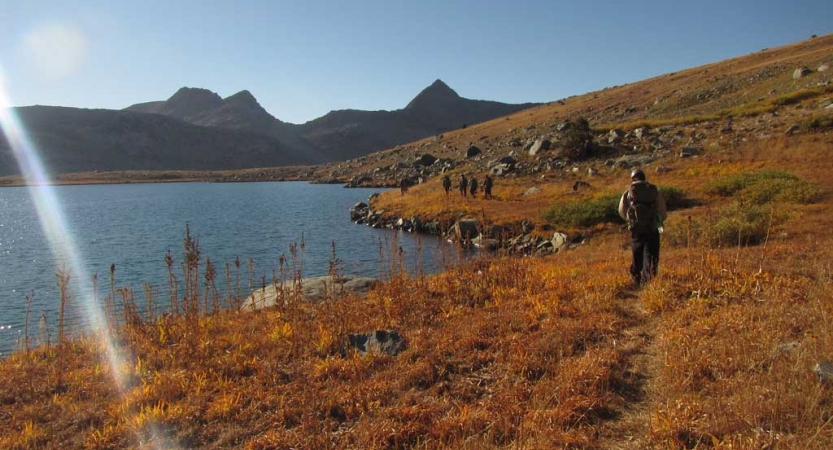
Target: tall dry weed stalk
x,y
211,297
63,289
173,295
191,269
44,337
29,299
150,304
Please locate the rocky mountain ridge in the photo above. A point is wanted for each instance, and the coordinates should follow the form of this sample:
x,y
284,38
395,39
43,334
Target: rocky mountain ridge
x,y
238,132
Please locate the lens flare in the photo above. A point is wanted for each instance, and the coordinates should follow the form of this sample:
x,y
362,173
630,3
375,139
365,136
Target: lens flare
x,y
62,244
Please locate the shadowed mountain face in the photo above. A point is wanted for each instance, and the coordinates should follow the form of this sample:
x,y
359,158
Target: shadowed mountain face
x,y
80,140
197,129
437,109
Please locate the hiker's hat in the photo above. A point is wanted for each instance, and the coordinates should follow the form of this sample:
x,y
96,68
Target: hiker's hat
x,y
637,173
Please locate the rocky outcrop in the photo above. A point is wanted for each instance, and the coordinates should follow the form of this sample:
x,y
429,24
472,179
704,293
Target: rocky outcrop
x,y
468,232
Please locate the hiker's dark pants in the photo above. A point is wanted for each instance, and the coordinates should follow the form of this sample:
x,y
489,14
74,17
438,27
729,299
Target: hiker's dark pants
x,y
645,249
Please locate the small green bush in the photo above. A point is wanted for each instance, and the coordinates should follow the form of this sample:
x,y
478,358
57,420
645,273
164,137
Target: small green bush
x,y
584,212
674,197
781,189
764,186
820,122
604,209
728,185
742,224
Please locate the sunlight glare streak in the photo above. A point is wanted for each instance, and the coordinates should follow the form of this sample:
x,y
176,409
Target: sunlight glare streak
x,y
60,239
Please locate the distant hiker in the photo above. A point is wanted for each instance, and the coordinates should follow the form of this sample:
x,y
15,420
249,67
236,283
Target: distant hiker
x,y
643,208
464,184
403,186
446,184
487,187
473,187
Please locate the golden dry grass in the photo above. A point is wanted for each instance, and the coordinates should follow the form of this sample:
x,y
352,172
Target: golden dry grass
x,y
522,353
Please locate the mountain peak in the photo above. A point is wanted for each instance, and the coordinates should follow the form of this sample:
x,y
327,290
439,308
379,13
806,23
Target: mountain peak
x,y
440,86
189,101
438,92
242,96
192,94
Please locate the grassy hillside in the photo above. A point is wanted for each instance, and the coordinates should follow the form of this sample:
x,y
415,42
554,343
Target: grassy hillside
x,y
505,352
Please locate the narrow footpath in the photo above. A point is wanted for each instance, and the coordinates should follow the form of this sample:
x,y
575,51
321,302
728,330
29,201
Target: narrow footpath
x,y
629,430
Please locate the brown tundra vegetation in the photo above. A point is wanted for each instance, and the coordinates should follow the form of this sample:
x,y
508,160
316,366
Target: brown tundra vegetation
x,y
731,346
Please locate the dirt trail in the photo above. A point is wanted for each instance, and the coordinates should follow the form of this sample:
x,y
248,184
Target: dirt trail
x,y
629,430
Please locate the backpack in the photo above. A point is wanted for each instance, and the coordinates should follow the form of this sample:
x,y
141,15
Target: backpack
x,y
642,213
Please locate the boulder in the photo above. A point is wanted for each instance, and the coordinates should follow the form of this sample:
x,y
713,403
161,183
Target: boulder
x,y
388,342
314,289
614,136
801,72
508,160
465,229
592,172
358,212
823,67
532,191
560,242
425,159
824,371
539,145
690,151
473,151
628,161
793,128
640,132
503,166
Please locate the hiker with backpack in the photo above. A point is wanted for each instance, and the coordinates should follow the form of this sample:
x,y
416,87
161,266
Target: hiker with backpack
x,y
643,208
464,184
487,187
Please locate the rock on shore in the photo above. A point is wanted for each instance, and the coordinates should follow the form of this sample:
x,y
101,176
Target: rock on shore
x,y
314,289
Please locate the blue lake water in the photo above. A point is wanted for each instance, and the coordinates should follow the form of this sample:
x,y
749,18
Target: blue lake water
x,y
133,226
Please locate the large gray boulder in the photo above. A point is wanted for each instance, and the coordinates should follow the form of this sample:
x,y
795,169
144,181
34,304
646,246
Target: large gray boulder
x,y
315,289
465,230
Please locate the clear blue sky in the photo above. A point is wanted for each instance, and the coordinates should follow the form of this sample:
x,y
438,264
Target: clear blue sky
x,y
302,59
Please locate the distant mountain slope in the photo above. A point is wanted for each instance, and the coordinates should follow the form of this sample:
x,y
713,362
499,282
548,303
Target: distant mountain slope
x,y
350,133
340,134
75,140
